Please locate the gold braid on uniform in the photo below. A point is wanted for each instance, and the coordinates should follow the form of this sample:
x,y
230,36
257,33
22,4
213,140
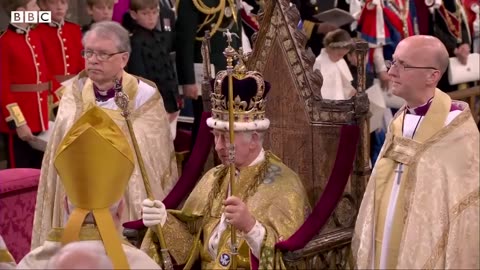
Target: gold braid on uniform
x,y
210,13
206,9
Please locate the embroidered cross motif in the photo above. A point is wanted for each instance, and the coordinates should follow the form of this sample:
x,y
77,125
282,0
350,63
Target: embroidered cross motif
x,y
224,259
399,172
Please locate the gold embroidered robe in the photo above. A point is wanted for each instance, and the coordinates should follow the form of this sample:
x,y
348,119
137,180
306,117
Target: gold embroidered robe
x,y
152,130
39,257
279,202
436,219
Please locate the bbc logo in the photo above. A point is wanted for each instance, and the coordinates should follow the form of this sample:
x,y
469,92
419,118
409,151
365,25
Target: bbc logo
x,y
31,17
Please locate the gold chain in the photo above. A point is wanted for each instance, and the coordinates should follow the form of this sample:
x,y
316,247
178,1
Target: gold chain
x,y
401,10
405,10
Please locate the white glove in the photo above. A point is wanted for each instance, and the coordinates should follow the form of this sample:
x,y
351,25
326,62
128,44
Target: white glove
x,y
433,4
153,213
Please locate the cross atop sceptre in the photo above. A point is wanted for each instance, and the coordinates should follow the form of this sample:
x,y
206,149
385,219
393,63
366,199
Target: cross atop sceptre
x,y
229,51
229,35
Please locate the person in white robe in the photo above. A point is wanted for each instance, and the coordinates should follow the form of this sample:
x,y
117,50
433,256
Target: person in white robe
x,y
337,79
94,162
107,48
420,208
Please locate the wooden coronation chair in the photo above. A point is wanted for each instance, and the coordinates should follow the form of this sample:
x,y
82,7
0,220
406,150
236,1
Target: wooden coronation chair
x,y
324,141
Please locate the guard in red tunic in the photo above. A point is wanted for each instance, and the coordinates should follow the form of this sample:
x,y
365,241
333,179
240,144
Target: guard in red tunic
x,y
62,41
25,83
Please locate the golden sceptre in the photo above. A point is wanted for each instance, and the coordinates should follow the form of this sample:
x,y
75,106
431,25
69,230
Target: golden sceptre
x,y
122,101
230,54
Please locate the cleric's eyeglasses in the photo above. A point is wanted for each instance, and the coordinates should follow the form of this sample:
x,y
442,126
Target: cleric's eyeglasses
x,y
101,56
402,66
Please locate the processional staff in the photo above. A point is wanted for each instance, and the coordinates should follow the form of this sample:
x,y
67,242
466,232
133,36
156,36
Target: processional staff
x,y
122,101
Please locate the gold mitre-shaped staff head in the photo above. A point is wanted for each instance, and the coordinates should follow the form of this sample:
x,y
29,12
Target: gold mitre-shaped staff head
x,y
94,162
249,97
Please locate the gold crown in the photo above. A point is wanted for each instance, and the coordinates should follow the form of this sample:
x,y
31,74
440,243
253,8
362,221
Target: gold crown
x,y
249,92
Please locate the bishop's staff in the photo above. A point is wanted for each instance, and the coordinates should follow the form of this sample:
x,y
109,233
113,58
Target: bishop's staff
x,y
231,54
122,101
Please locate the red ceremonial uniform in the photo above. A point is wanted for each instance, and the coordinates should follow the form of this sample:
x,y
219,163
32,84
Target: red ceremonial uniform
x,y
471,15
62,46
25,82
397,14
371,24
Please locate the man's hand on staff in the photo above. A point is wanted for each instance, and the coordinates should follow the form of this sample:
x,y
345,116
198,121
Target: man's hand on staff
x,y
153,213
237,214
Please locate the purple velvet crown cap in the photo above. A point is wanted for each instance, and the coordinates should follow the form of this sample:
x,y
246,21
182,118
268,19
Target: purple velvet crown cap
x,y
245,88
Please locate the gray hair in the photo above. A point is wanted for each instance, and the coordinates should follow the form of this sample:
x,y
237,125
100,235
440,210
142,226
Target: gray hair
x,y
113,31
81,254
248,136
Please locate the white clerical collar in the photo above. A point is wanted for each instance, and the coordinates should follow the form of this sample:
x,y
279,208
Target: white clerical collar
x,y
420,110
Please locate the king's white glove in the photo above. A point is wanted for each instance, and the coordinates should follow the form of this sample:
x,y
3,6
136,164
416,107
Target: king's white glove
x,y
153,213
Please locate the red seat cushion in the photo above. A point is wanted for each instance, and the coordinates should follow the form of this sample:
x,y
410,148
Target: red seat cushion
x,y
18,194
